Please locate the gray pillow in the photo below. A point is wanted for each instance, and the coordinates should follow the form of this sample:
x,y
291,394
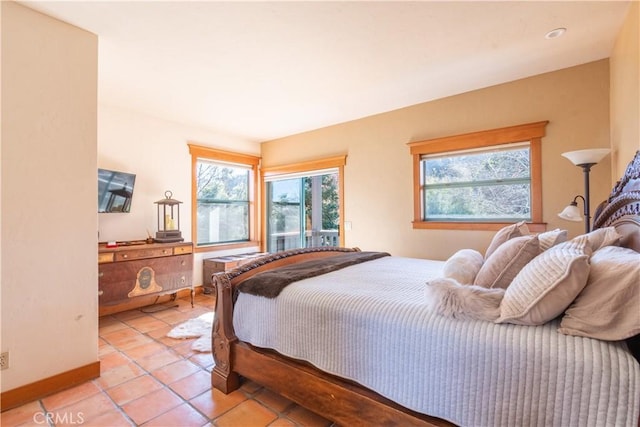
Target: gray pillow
x,y
608,308
546,286
499,270
509,232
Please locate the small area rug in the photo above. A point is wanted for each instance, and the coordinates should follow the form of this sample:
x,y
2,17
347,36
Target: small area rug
x,y
199,327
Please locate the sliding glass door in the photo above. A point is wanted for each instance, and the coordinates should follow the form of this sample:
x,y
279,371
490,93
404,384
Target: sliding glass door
x,y
303,211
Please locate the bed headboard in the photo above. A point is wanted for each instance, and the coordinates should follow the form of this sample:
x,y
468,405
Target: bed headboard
x,y
622,208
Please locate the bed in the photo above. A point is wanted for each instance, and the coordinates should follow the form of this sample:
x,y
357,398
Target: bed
x,y
359,345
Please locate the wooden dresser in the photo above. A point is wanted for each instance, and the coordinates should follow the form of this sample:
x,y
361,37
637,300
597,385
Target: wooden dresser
x,y
137,269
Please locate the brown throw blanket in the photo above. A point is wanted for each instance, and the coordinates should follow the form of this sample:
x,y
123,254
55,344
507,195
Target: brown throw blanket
x,y
270,283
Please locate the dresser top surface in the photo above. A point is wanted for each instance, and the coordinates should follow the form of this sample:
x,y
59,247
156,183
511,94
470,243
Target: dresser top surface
x,y
137,245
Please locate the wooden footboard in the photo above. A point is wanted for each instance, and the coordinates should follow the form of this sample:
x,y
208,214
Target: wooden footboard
x,y
340,400
224,377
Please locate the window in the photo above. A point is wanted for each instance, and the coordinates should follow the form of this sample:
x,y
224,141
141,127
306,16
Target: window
x,y
482,180
303,211
489,185
223,198
303,205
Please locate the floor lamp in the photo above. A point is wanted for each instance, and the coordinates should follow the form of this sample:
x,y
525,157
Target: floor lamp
x,y
584,159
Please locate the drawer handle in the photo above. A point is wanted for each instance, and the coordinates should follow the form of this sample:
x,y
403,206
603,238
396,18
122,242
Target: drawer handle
x,y
164,251
183,263
100,292
125,256
101,274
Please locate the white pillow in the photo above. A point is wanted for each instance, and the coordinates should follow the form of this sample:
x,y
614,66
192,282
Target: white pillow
x,y
607,236
463,266
608,308
551,238
505,233
546,286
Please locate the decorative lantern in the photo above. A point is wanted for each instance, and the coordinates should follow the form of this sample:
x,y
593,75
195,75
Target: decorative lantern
x,y
168,219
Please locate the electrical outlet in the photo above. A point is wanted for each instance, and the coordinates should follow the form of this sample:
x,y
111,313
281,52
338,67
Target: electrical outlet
x,y
4,360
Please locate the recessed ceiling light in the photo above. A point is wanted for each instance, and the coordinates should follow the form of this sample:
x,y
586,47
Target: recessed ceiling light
x,y
555,33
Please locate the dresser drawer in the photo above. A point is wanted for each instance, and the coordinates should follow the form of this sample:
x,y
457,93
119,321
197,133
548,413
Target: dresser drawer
x,y
105,257
142,254
184,249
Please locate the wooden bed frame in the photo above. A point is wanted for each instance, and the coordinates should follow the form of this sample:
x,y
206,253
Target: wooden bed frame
x,y
339,400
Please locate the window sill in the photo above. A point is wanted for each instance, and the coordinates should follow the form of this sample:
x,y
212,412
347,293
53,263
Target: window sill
x,y
226,246
476,226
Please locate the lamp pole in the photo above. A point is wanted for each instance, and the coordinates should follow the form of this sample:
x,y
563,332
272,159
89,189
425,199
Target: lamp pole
x,y
586,168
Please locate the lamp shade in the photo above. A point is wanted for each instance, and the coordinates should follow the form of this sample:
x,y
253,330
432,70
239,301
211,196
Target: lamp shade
x,y
571,213
591,156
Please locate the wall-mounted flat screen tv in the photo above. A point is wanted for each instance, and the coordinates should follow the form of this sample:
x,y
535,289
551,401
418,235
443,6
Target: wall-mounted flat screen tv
x,y
115,190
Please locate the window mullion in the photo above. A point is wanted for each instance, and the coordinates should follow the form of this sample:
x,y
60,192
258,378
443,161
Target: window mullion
x,y
485,183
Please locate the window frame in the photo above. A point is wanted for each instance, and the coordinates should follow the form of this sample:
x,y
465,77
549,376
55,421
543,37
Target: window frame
x,y
244,160
530,132
337,162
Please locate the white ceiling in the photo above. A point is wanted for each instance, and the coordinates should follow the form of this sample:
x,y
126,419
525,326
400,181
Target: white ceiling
x,y
262,70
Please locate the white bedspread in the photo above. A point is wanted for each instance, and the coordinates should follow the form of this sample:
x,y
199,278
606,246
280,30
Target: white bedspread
x,y
368,323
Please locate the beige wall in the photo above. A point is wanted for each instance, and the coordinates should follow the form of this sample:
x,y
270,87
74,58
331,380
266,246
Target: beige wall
x,y
625,93
49,219
378,174
156,151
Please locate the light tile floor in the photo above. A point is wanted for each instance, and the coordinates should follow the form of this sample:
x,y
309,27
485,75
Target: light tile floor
x,y
148,379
